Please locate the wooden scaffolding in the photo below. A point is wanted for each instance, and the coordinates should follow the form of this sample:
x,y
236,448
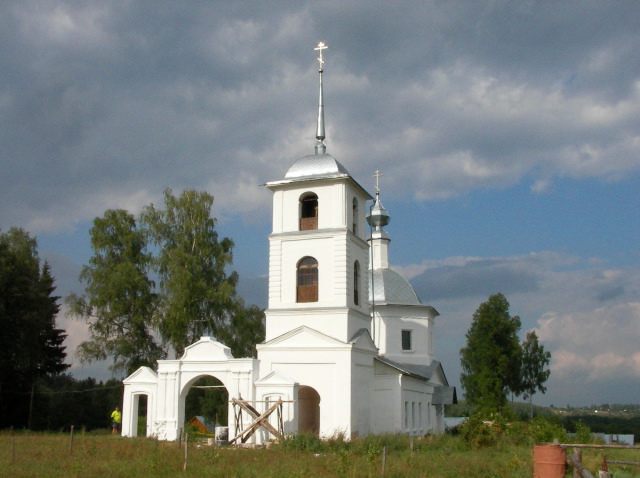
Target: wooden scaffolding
x,y
259,420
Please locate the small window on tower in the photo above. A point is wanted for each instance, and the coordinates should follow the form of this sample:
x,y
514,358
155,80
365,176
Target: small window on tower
x,y
354,216
406,340
308,212
356,283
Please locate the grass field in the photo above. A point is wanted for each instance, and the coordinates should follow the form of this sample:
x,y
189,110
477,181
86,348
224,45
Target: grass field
x,y
87,456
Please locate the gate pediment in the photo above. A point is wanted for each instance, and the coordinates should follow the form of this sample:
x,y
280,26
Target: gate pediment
x,y
206,348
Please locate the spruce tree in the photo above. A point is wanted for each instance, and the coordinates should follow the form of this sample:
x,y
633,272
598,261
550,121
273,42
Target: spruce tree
x,y
491,359
30,344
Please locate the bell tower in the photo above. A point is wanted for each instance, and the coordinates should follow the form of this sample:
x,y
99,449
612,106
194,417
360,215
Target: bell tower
x,y
318,252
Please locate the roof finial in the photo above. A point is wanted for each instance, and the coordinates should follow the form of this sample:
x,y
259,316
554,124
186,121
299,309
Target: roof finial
x,y
378,217
321,148
377,175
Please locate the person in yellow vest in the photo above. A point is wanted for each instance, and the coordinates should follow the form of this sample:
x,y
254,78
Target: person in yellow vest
x,y
116,419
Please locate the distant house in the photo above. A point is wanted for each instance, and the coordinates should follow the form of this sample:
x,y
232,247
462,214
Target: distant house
x,y
615,439
452,422
202,425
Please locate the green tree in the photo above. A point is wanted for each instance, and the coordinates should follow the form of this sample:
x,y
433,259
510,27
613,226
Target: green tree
x,y
119,300
492,357
197,291
30,344
534,372
245,329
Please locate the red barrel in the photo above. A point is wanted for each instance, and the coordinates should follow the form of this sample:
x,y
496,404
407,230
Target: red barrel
x,y
549,461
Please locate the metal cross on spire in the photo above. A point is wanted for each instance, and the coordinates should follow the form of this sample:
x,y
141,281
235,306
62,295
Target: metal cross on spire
x,y
377,175
321,46
320,148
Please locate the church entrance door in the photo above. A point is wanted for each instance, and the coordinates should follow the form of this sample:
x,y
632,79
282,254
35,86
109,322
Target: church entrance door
x,y
308,410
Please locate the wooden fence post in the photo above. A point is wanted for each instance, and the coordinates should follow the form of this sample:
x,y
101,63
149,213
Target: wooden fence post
x,y
71,441
186,440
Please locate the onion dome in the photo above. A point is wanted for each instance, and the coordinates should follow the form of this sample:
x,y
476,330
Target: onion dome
x,y
378,217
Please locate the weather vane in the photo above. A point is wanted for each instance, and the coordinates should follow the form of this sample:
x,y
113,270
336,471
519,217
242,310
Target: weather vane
x,y
321,46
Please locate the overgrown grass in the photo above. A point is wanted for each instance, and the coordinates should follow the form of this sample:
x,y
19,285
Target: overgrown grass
x,y
508,453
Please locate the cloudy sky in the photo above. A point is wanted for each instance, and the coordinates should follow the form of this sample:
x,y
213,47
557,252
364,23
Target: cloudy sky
x,y
508,135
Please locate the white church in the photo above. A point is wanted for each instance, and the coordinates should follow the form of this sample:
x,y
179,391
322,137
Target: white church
x,y
349,345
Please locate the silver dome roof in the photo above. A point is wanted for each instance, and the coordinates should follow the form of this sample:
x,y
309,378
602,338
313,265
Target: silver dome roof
x,y
316,165
378,216
389,287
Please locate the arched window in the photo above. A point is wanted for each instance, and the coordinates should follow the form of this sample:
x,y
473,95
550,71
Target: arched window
x,y
354,216
356,283
307,280
308,212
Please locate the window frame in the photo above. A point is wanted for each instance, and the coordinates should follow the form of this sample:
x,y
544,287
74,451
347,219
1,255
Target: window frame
x,y
406,337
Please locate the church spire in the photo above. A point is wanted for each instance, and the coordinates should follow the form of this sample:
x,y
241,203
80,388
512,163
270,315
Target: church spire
x,y
321,148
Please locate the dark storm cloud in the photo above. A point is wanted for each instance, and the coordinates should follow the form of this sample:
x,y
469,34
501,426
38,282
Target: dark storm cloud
x,y
254,290
105,104
475,279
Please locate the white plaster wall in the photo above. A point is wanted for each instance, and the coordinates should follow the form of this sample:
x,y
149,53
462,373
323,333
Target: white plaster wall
x,y
130,405
386,413
336,252
362,380
391,321
288,393
331,205
417,395
339,323
335,204
327,370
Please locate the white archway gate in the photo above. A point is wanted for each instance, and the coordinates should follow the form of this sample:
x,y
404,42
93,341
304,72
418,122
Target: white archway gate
x,y
166,390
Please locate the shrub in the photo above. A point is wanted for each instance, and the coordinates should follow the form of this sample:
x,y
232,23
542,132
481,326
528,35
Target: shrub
x,y
547,431
583,433
304,442
478,433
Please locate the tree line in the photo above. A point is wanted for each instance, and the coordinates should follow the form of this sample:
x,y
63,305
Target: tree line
x,y
154,284
61,401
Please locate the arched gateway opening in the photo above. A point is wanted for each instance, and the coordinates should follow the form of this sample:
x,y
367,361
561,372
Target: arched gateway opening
x,y
206,406
140,413
308,410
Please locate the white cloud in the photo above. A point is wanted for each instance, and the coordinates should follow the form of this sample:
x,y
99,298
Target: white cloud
x,y
599,342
